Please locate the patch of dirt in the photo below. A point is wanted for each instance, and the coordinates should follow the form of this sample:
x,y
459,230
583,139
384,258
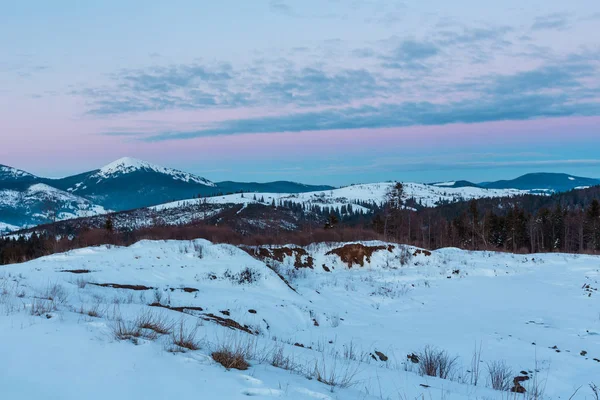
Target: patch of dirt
x,y
356,253
229,323
185,289
426,253
184,309
77,271
301,257
118,286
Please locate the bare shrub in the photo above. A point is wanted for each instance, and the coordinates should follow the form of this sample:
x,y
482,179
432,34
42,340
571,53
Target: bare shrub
x,y
279,359
199,249
93,311
436,362
184,339
41,307
159,324
56,293
247,276
475,370
334,375
81,283
405,256
595,390
500,375
158,296
230,358
122,330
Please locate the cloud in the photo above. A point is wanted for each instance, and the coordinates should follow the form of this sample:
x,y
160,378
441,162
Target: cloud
x,y
521,96
556,21
280,7
413,50
201,87
410,54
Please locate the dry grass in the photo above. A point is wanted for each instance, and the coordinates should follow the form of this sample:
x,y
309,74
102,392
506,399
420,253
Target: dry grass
x,y
41,307
231,359
157,323
500,375
123,330
334,375
184,338
436,362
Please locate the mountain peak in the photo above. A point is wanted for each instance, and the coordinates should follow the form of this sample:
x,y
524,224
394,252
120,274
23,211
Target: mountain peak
x,y
127,165
7,173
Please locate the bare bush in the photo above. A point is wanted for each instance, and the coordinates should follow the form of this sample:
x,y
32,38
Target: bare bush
x,y
123,330
184,338
500,375
199,249
334,375
41,307
247,276
93,311
157,323
56,293
279,359
81,283
436,362
595,390
475,370
405,256
231,358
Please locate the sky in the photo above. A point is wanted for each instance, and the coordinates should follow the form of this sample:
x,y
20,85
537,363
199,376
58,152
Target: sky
x,y
317,91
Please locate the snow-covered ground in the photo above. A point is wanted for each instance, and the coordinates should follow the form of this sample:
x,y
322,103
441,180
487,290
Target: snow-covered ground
x,y
6,228
539,314
372,193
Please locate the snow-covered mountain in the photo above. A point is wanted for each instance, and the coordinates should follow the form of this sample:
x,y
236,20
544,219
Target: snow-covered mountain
x,y
357,196
544,182
13,174
39,204
129,183
128,165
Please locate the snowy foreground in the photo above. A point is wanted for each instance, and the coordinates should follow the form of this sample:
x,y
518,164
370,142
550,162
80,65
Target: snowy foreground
x,y
334,333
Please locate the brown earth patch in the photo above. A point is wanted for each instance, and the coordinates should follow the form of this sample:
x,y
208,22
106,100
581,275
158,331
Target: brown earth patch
x,y
77,271
356,253
118,286
229,323
178,309
426,253
301,257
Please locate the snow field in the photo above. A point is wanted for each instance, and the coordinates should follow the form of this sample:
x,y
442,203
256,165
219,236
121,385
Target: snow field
x,y
536,313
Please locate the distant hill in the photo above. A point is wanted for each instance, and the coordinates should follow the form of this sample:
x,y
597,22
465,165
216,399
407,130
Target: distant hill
x,y
456,184
542,181
269,187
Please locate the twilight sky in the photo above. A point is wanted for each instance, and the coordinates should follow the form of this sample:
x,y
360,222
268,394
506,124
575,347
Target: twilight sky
x,y
318,91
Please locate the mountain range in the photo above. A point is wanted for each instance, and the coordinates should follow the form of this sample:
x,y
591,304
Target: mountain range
x,y
127,183
534,182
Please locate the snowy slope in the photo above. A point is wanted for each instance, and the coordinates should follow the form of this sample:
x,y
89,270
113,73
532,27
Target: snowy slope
x,y
40,203
373,193
6,228
537,314
13,174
